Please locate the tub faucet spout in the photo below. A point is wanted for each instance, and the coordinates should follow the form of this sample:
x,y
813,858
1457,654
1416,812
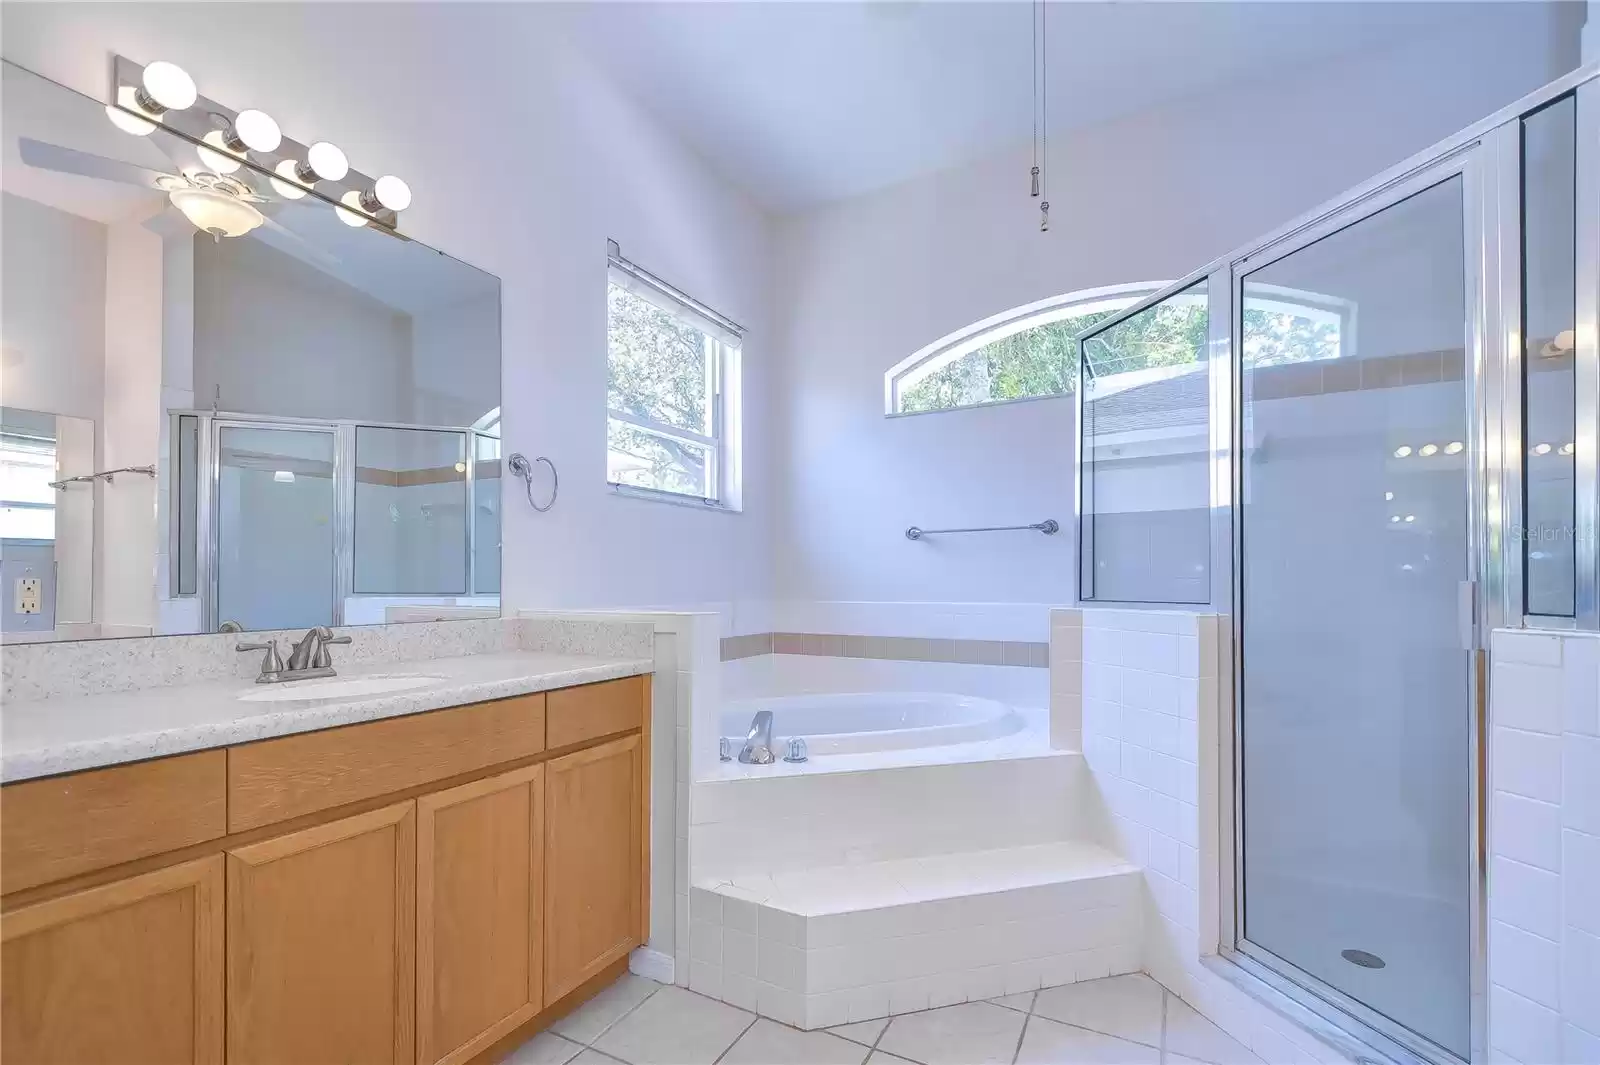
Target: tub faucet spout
x,y
757,748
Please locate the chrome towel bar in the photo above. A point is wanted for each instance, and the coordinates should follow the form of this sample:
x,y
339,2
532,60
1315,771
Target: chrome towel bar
x,y
1049,527
102,475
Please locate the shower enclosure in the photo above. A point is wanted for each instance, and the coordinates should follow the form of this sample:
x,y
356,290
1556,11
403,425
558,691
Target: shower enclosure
x,y
285,523
1399,395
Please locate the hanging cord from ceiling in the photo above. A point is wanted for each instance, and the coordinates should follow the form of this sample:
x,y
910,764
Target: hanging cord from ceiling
x,y
1033,59
1044,119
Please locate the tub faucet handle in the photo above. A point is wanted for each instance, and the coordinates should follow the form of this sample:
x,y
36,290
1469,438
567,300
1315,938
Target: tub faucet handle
x,y
724,750
797,750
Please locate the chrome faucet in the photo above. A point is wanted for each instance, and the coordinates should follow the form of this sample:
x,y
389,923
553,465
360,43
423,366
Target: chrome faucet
x,y
310,654
308,657
757,748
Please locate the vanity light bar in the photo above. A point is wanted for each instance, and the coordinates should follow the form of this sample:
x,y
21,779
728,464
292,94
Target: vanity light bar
x,y
163,94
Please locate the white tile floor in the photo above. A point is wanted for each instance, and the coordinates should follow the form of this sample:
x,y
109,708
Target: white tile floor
x,y
1123,1020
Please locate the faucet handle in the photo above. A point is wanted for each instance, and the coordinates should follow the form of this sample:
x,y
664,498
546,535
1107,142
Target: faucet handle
x,y
323,660
797,750
272,662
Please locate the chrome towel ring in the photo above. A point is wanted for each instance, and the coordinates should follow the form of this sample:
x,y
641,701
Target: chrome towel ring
x,y
520,466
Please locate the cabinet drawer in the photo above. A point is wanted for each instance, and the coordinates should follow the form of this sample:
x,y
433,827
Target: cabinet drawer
x,y
275,780
62,826
594,710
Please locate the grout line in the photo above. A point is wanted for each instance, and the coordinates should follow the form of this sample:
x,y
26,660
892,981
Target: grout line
x,y
1023,1034
619,1020
873,1049
1165,995
753,1019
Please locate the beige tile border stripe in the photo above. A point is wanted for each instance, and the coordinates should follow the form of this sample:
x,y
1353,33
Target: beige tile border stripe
x,y
891,648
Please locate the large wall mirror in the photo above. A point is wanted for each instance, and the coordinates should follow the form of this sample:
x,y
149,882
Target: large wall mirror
x,y
306,416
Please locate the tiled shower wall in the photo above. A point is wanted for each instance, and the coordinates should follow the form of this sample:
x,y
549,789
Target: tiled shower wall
x,y
1142,689
1544,848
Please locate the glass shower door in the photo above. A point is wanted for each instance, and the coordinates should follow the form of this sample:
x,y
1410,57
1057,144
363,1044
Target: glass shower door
x,y
1356,694
276,517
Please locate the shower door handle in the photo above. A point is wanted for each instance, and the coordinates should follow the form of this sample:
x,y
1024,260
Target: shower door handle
x,y
1467,614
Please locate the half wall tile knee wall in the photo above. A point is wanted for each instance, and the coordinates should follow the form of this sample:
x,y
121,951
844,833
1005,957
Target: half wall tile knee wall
x,y
1544,847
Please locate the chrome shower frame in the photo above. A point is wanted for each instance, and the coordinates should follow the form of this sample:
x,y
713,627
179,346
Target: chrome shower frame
x,y
343,432
1487,158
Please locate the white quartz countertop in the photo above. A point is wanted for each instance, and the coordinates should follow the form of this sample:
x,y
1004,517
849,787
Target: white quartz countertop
x,y
43,737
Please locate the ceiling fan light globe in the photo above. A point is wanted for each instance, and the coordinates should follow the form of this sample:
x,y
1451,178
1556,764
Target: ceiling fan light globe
x,y
215,212
169,85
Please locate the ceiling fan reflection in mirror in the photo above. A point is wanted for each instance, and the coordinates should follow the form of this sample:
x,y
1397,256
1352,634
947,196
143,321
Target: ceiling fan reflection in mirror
x,y
223,205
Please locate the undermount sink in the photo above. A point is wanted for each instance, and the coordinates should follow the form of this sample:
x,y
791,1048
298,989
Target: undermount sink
x,y
338,688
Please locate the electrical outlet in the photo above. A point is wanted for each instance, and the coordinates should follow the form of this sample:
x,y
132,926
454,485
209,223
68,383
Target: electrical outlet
x,y
30,594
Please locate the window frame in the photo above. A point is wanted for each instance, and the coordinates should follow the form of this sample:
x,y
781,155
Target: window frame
x,y
957,345
722,347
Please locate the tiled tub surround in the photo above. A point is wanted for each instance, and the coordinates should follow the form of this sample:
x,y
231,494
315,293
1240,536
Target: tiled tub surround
x,y
1544,848
1141,691
822,899
77,706
891,648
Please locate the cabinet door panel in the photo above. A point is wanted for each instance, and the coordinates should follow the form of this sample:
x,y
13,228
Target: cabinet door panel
x,y
128,973
594,815
321,944
480,951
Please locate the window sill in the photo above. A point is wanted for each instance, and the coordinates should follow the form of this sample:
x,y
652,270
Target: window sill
x,y
629,491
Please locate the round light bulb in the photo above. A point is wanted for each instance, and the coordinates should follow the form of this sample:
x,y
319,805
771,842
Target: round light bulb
x,y
1567,448
1402,451
1388,497
327,161
1410,518
1394,519
217,157
461,467
351,214
392,192
286,184
1541,449
169,85
1453,447
257,131
119,116
1427,451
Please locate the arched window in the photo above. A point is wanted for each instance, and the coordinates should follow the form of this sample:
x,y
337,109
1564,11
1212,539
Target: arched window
x,y
1023,353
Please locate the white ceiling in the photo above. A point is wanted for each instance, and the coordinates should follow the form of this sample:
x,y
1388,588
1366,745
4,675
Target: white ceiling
x,y
800,103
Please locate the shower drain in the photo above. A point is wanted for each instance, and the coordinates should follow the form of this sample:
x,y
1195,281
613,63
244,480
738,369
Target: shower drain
x,y
1363,959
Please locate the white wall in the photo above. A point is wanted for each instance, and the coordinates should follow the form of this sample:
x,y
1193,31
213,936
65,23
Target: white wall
x,y
523,161
125,519
54,276
867,281
275,336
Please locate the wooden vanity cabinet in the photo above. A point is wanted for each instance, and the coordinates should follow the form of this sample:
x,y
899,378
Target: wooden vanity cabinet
x,y
322,942
593,854
480,913
129,972
426,889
